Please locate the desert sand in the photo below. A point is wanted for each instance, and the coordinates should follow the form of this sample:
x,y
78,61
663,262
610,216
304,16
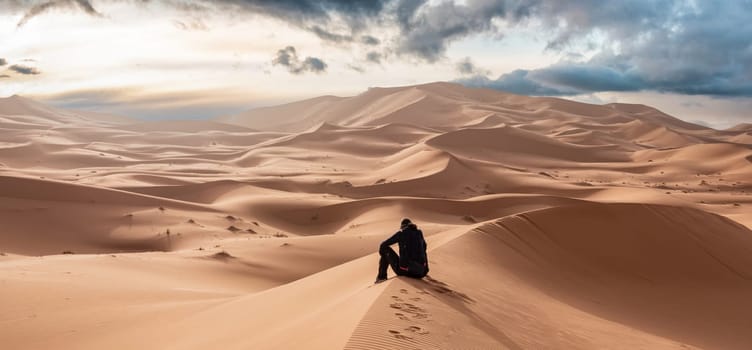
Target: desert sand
x,y
551,224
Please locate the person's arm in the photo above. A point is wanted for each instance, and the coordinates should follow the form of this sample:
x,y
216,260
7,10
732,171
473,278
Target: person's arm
x,y
425,248
391,240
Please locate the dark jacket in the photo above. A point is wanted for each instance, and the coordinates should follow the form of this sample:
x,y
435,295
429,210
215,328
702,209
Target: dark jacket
x,y
412,250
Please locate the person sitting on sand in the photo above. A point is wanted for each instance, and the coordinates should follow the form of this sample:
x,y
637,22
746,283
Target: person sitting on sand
x,y
412,260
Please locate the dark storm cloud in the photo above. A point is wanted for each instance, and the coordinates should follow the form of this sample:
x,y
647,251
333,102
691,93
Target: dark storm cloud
x,y
289,10
24,70
3,62
306,9
3,76
316,16
698,48
288,57
587,78
582,78
516,82
405,12
427,30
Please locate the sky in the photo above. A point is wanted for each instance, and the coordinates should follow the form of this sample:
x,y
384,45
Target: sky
x,y
175,59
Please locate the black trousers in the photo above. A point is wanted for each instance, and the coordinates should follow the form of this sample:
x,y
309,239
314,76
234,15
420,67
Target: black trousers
x,y
389,258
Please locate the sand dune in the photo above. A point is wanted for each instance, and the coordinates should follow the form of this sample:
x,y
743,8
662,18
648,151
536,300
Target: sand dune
x,y
183,126
551,224
24,110
509,142
436,104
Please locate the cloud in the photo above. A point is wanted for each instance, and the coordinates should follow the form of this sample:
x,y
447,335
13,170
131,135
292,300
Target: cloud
x,y
288,58
336,21
588,77
700,47
466,67
24,70
568,78
405,11
326,35
312,64
374,57
560,80
428,29
293,11
305,9
42,7
517,82
190,24
369,40
4,76
690,48
3,62
692,104
140,102
358,69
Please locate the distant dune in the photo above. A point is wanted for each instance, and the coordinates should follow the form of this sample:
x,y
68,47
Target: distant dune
x,y
551,224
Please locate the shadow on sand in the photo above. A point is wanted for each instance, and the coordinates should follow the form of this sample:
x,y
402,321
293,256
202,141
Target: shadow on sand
x,y
460,302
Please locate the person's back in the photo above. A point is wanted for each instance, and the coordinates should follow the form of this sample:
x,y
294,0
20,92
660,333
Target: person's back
x,y
412,247
412,260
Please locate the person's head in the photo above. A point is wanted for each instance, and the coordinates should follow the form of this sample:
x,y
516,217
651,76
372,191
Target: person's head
x,y
405,223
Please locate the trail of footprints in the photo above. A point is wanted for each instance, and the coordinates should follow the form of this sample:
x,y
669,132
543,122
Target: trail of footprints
x,y
410,313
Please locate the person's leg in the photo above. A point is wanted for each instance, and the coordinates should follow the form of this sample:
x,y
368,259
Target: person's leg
x,y
388,258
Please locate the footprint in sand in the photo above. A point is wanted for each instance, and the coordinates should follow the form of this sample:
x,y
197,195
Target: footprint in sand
x,y
397,335
412,310
403,291
401,316
416,330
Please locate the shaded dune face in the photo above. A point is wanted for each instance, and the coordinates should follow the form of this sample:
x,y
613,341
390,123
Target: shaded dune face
x,y
551,224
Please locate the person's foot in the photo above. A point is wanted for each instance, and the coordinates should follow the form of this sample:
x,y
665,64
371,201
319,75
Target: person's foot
x,y
379,280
